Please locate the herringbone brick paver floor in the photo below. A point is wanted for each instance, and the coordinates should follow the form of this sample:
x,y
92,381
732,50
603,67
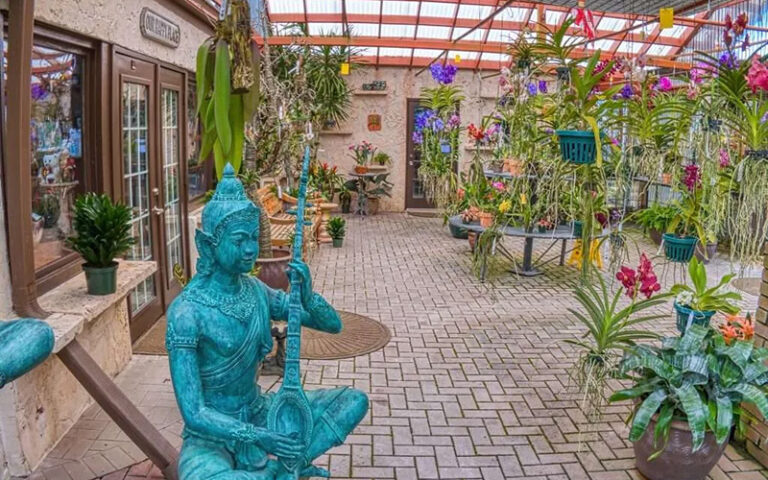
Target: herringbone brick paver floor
x,y
474,383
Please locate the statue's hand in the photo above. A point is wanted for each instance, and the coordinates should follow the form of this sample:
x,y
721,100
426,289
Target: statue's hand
x,y
284,446
305,278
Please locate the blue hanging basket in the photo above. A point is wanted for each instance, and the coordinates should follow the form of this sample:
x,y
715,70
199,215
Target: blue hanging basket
x,y
578,146
699,317
679,249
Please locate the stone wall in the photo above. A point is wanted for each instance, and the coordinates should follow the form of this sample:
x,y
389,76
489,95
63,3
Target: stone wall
x,y
402,84
117,22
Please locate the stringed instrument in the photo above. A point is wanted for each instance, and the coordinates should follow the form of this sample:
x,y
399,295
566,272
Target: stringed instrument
x,y
290,413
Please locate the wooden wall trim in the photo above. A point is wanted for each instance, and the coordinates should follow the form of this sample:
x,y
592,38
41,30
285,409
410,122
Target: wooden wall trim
x,y
16,159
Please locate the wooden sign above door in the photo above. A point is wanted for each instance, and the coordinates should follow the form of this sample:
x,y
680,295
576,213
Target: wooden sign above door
x,y
158,28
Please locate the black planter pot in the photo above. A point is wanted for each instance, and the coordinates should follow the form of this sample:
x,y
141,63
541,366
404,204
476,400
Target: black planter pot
x,y
346,205
706,254
272,271
101,280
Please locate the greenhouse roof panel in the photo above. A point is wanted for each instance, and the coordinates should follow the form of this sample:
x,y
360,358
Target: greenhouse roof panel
x,y
389,26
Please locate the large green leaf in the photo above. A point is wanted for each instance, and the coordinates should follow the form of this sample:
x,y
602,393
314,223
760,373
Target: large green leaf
x,y
753,395
724,418
644,413
695,411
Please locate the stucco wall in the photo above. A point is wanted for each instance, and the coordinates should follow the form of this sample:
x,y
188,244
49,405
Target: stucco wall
x,y
118,22
402,84
49,400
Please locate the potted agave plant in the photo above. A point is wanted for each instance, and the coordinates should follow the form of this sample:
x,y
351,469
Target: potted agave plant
x,y
103,233
336,230
689,394
698,303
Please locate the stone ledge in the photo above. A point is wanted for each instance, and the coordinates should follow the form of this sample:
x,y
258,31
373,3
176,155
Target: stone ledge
x,y
71,306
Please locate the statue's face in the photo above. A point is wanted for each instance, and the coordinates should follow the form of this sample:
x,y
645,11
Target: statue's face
x,y
238,247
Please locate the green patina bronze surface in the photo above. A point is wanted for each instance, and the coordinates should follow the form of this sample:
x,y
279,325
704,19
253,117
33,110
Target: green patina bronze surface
x,y
219,333
24,344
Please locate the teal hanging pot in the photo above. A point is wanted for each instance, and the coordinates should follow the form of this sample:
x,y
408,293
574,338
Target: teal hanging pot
x,y
578,146
679,249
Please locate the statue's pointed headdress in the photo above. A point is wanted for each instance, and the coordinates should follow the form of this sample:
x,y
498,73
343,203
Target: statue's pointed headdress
x,y
229,203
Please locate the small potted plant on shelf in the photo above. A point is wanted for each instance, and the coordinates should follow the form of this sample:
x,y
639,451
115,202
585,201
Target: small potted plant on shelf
x,y
380,162
698,303
689,394
336,230
103,232
362,153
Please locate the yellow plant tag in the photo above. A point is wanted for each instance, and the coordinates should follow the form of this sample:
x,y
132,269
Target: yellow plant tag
x,y
523,199
666,18
345,68
457,58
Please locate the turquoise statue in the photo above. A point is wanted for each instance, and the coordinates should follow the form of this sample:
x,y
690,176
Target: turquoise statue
x,y
24,344
219,333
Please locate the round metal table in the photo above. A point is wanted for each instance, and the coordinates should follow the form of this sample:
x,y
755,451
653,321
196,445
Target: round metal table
x,y
562,233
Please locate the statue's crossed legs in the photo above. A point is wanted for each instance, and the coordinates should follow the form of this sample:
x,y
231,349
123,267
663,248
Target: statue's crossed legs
x,y
24,344
336,413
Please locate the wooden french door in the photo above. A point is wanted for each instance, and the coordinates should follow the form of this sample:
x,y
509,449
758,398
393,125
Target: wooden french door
x,y
414,190
150,101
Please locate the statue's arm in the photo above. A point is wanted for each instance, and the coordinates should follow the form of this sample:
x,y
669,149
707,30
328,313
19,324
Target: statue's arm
x,y
321,315
181,341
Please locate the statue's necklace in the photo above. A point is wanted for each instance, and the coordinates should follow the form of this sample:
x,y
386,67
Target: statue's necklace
x,y
240,305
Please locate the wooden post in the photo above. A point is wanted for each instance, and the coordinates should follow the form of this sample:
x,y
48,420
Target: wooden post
x,y
120,409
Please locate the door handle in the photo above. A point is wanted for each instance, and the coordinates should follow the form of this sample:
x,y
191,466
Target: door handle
x,y
410,163
158,210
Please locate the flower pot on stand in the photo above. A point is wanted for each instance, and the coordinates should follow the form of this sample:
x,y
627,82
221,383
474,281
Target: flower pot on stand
x,y
486,219
361,169
679,249
696,317
272,271
101,280
677,461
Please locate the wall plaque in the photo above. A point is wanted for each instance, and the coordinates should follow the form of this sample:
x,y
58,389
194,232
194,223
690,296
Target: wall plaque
x,y
158,28
374,122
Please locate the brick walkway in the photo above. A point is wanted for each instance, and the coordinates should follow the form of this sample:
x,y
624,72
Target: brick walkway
x,y
474,383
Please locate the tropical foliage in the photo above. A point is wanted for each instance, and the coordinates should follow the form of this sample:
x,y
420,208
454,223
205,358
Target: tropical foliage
x,y
103,230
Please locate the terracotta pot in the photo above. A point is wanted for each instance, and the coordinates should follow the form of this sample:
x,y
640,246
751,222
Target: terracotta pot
x,y
472,237
486,219
513,166
666,178
361,169
677,461
272,270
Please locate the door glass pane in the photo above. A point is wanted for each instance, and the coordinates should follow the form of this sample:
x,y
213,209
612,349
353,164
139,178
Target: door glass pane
x,y
171,172
57,149
136,183
197,173
417,188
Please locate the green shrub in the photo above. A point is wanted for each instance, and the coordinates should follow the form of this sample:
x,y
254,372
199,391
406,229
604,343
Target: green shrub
x,y
103,230
336,228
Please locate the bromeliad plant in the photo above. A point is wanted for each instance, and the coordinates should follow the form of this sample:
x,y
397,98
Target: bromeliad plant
x,y
701,378
611,328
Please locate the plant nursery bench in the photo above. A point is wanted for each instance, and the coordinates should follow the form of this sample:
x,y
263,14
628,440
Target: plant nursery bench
x,y
530,266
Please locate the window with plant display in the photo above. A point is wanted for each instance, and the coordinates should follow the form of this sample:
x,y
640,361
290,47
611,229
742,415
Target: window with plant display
x,y
57,149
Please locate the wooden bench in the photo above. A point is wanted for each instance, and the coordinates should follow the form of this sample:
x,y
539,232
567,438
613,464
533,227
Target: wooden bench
x,y
283,224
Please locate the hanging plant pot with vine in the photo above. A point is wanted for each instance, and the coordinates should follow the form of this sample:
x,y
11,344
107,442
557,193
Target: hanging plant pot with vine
x,y
578,147
679,249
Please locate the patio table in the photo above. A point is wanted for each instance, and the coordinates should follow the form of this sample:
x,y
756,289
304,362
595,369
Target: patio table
x,y
362,199
562,233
